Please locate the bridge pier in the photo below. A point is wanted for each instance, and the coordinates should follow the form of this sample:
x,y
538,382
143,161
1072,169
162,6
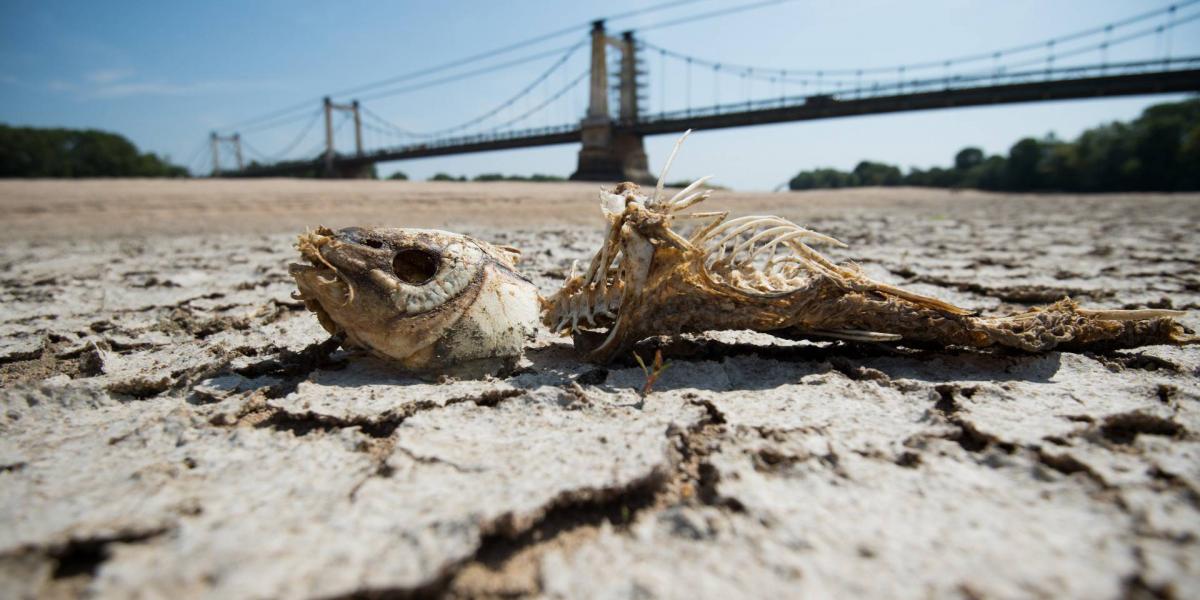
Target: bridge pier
x,y
352,171
611,155
611,152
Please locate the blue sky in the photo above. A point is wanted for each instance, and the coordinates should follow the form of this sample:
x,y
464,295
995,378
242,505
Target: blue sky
x,y
166,73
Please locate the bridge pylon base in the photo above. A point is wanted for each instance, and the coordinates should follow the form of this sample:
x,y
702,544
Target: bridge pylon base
x,y
612,156
351,171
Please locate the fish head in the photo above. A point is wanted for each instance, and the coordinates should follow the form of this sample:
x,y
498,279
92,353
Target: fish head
x,y
428,299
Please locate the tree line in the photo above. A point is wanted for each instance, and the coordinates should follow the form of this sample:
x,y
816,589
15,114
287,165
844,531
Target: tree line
x,y
1158,151
536,177
38,152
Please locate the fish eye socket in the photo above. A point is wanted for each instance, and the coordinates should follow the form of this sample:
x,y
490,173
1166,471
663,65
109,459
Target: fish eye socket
x,y
415,266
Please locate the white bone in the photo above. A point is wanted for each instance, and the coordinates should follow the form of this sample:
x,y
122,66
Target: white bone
x,y
748,244
611,204
687,190
658,188
695,198
856,335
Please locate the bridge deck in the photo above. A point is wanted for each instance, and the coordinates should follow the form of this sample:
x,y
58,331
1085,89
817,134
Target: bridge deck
x,y
813,107
826,108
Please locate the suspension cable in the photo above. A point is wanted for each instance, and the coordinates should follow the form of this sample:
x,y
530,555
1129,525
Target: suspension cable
x,y
277,122
296,141
1108,43
940,63
255,152
465,75
197,153
559,94
857,83
712,14
457,62
503,105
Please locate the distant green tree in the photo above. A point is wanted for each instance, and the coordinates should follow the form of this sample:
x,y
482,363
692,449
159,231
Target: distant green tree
x,y
1059,166
1160,150
446,177
37,152
398,176
1102,153
1023,160
877,174
537,177
988,175
935,177
1159,136
968,158
822,178
1189,159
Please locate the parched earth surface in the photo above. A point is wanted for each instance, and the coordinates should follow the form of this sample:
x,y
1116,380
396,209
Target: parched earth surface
x,y
174,424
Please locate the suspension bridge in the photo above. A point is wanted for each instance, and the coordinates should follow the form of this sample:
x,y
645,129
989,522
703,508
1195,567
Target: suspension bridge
x,y
618,115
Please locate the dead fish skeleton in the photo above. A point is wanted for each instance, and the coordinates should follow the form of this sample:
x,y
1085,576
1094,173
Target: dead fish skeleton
x,y
431,300
762,273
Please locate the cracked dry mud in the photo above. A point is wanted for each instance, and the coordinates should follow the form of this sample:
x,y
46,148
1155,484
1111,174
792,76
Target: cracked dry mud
x,y
175,425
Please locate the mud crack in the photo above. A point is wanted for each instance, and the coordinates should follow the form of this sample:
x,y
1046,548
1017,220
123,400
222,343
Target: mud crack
x,y
294,367
75,562
1124,428
301,425
507,562
967,435
84,556
1119,361
696,478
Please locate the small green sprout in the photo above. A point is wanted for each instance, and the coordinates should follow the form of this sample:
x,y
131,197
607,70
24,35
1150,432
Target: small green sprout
x,y
653,372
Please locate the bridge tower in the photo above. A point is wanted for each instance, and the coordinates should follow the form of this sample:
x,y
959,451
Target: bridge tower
x,y
612,151
216,139
332,169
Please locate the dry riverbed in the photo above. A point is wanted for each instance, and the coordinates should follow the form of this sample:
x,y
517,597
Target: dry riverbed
x,y
174,426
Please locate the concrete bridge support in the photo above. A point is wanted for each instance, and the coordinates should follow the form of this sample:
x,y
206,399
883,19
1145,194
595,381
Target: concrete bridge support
x,y
612,152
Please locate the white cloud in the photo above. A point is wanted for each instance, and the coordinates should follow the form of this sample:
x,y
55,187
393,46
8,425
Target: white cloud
x,y
105,76
162,88
122,83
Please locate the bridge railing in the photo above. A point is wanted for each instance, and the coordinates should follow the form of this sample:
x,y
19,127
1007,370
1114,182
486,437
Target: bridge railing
x,y
899,87
465,140
316,162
